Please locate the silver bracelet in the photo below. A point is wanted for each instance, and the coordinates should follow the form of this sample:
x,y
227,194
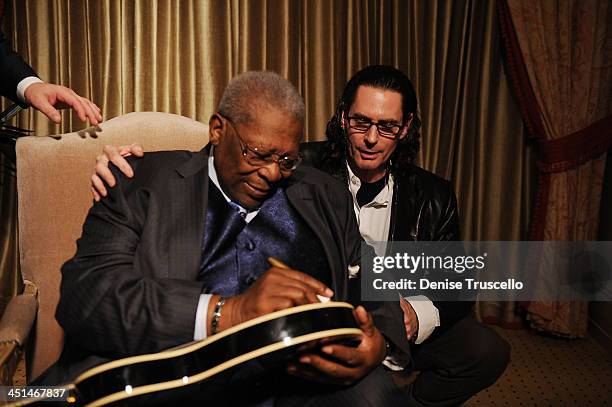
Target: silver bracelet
x,y
214,323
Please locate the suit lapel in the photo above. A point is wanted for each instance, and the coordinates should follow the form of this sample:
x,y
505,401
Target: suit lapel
x,y
405,196
303,197
188,196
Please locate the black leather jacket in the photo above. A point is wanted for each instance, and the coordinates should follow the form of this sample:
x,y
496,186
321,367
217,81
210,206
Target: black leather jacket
x,y
424,208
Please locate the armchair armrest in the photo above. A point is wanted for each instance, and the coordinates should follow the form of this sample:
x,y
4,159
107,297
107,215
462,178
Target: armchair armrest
x,y
15,327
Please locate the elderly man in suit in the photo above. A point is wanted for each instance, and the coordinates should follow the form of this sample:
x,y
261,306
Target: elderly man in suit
x,y
373,141
190,233
20,83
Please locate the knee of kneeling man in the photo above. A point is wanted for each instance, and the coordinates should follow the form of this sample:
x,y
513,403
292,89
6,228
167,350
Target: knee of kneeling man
x,y
493,356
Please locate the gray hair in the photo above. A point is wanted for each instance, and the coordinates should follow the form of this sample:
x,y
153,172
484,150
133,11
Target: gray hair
x,y
254,91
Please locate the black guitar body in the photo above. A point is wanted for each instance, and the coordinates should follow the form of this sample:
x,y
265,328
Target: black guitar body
x,y
206,369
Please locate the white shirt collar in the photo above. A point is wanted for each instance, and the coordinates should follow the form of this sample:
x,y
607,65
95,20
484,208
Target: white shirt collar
x,y
382,199
212,174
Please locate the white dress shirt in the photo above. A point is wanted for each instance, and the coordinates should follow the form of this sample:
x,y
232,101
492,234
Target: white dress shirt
x,y
374,221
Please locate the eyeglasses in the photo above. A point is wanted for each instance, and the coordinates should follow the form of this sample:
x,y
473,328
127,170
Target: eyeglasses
x,y
385,129
258,158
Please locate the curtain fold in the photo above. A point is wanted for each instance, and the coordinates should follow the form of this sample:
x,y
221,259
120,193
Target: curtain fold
x,y
472,131
559,55
177,57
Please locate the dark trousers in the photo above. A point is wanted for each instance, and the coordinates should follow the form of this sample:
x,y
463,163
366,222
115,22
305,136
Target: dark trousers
x,y
375,389
457,364
454,366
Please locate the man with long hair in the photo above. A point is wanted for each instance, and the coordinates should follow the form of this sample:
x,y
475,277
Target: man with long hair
x,y
372,145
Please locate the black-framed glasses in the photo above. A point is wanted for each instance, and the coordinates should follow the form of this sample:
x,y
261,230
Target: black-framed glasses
x,y
257,158
362,124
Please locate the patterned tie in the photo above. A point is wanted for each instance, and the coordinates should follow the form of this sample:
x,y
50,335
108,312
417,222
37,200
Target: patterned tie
x,y
223,224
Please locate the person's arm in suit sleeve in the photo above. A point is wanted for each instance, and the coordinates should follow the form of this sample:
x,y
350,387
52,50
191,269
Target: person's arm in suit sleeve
x,y
19,82
108,301
13,70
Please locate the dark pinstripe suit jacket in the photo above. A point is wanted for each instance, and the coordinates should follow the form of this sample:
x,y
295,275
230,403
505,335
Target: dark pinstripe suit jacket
x,y
131,288
12,70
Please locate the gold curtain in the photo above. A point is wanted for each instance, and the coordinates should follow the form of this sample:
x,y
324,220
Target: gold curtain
x,y
472,129
566,48
177,56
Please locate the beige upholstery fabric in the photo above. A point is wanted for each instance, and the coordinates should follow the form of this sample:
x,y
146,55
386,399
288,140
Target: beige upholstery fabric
x,y
19,316
53,181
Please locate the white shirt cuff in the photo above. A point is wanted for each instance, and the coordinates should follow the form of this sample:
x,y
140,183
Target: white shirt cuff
x,y
24,84
427,314
201,330
391,364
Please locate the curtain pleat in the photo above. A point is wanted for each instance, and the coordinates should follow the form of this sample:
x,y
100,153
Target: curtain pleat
x,y
177,57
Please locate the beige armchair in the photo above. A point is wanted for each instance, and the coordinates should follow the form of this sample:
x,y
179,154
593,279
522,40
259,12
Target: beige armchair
x,y
53,183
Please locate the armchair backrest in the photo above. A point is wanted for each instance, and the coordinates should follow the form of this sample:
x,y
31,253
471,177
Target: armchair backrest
x,y
53,184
